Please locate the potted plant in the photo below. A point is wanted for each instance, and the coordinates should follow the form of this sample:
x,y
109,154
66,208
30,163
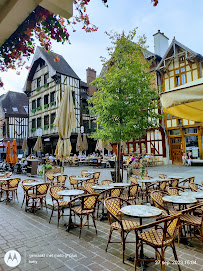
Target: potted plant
x,y
46,106
39,108
44,170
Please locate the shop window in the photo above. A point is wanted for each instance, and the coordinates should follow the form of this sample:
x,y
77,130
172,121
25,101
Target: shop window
x,y
192,145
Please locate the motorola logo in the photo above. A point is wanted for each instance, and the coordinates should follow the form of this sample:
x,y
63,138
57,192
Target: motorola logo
x,y
12,258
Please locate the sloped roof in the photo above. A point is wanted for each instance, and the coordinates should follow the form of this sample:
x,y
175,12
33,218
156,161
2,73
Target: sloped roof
x,y
175,42
13,104
62,66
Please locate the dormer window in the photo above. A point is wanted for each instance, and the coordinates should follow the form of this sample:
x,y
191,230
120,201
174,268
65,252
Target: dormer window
x,y
182,59
15,109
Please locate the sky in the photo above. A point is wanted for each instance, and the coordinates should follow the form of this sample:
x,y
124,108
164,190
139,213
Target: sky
x,y
179,18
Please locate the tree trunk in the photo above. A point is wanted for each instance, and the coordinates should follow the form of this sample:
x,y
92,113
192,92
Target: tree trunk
x,y
118,162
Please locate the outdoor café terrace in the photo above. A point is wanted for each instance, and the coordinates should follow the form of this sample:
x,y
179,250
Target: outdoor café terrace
x,y
44,246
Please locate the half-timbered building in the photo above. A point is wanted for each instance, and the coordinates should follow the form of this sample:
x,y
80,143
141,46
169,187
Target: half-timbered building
x,y
13,119
48,77
180,66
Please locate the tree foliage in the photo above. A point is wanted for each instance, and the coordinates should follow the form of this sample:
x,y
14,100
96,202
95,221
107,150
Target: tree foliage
x,y
125,103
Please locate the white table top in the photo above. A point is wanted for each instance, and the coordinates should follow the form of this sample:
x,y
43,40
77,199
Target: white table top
x,y
143,211
102,187
175,177
81,178
119,184
90,172
5,179
180,199
33,183
147,181
71,192
197,195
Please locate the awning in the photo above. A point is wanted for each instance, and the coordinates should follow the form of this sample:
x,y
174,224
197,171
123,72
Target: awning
x,y
185,101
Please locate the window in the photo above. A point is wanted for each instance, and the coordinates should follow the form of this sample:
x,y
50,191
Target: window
x,y
180,122
38,82
73,95
46,120
34,104
38,102
175,132
46,99
192,130
177,81
46,77
177,71
15,109
33,123
53,116
183,81
182,59
39,122
52,97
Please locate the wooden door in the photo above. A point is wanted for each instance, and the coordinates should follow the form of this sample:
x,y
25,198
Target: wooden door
x,y
176,150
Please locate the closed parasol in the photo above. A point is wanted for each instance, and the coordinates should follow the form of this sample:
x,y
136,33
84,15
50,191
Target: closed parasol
x,y
8,152
38,145
79,144
14,158
85,144
24,146
103,145
66,122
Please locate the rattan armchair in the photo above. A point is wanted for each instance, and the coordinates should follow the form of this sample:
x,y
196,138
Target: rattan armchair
x,y
106,182
174,191
11,186
113,206
157,196
26,189
194,187
162,176
73,182
88,188
193,223
131,195
159,238
84,173
183,184
96,176
61,180
57,204
86,209
38,196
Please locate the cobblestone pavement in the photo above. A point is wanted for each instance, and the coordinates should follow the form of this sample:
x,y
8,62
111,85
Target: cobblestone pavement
x,y
43,246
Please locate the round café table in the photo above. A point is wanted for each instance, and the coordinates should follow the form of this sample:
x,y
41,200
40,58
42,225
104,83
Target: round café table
x,y
180,200
197,195
141,211
102,187
175,177
120,184
70,193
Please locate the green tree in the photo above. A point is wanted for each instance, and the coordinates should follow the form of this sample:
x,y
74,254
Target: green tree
x,y
125,103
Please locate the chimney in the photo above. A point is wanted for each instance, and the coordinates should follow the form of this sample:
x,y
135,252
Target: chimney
x,y
91,76
160,43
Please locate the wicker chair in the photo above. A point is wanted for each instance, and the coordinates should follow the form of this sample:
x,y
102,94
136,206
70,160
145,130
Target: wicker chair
x,y
194,187
182,184
132,191
73,182
106,182
57,204
26,189
113,206
90,181
88,188
133,180
157,196
174,191
60,181
162,186
50,172
38,197
11,185
162,176
86,209
193,223
158,238
84,173
96,177
174,183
